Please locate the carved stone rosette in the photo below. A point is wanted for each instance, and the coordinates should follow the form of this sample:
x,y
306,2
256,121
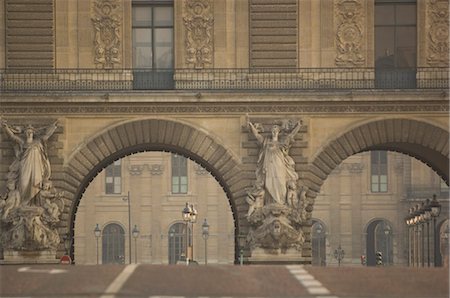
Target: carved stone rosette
x,y
438,32
198,22
106,22
349,33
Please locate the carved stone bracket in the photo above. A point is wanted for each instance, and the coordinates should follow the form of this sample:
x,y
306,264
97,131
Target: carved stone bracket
x,y
106,22
201,171
438,32
136,170
156,169
349,33
355,168
198,22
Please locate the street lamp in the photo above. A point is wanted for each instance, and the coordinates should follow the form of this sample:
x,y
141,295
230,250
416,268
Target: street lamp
x,y
416,221
319,230
97,234
189,214
435,211
135,236
205,235
427,217
387,232
339,254
127,198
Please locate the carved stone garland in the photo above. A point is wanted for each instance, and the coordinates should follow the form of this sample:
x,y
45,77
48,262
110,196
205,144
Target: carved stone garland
x,y
198,22
438,32
349,35
106,24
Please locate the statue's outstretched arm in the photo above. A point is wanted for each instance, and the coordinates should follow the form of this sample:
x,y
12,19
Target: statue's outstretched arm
x,y
50,130
9,130
255,132
291,136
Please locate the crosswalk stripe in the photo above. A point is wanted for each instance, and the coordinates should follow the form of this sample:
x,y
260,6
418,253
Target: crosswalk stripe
x,y
312,285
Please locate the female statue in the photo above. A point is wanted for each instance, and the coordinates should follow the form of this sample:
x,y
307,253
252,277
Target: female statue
x,y
275,169
32,165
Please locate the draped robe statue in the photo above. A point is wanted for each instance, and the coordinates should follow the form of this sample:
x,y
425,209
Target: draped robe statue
x,y
32,206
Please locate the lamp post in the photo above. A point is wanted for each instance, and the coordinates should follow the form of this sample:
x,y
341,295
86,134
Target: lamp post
x,y
135,233
387,233
339,254
205,235
422,229
416,222
127,198
407,221
189,214
427,217
319,230
435,211
97,234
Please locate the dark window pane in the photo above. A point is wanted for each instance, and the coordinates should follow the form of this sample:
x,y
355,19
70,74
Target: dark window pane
x,y
406,46
163,16
142,16
163,48
384,15
405,14
384,47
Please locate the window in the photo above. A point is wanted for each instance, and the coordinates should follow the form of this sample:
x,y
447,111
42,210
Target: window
x,y
152,26
177,242
113,178
378,169
179,174
113,244
395,42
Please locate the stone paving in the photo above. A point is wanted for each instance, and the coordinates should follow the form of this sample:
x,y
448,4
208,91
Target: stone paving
x,y
110,281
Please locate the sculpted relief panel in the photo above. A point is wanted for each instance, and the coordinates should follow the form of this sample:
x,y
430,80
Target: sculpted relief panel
x,y
278,203
438,32
31,206
349,33
106,22
198,22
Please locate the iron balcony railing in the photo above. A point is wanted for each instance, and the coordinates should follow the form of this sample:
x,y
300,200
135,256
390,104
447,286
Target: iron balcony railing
x,y
222,79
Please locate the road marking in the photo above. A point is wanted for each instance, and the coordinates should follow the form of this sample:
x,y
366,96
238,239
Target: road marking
x,y
120,280
49,271
312,285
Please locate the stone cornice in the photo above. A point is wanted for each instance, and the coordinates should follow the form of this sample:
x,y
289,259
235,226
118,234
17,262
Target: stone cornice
x,y
137,108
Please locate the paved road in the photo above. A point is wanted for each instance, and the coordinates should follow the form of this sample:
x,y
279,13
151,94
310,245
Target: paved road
x,y
111,281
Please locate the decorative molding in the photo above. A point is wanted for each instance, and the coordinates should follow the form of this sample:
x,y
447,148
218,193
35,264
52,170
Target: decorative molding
x,y
151,108
438,32
136,170
156,169
106,22
349,33
198,22
199,170
355,168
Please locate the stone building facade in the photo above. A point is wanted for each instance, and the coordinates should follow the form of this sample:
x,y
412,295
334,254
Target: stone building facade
x,y
118,77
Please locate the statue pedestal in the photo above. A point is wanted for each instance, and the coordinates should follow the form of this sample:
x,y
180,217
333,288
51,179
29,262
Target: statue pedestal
x,y
290,256
29,257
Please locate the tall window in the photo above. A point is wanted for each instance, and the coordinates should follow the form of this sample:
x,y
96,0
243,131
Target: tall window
x,y
179,174
395,42
378,169
177,242
113,244
153,34
113,178
319,239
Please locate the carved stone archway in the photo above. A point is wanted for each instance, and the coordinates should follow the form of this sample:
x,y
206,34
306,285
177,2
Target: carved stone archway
x,y
426,142
155,135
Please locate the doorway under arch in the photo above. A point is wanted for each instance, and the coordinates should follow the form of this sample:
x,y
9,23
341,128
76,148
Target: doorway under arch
x,y
379,240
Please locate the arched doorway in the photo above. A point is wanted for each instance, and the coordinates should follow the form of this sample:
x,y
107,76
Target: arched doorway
x,y
379,239
177,243
319,239
113,244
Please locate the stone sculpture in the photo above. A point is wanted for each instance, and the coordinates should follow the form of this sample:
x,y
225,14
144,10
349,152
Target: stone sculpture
x,y
277,202
31,206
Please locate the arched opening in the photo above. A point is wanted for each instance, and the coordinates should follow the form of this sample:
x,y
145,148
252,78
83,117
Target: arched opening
x,y
113,244
379,240
319,245
158,135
